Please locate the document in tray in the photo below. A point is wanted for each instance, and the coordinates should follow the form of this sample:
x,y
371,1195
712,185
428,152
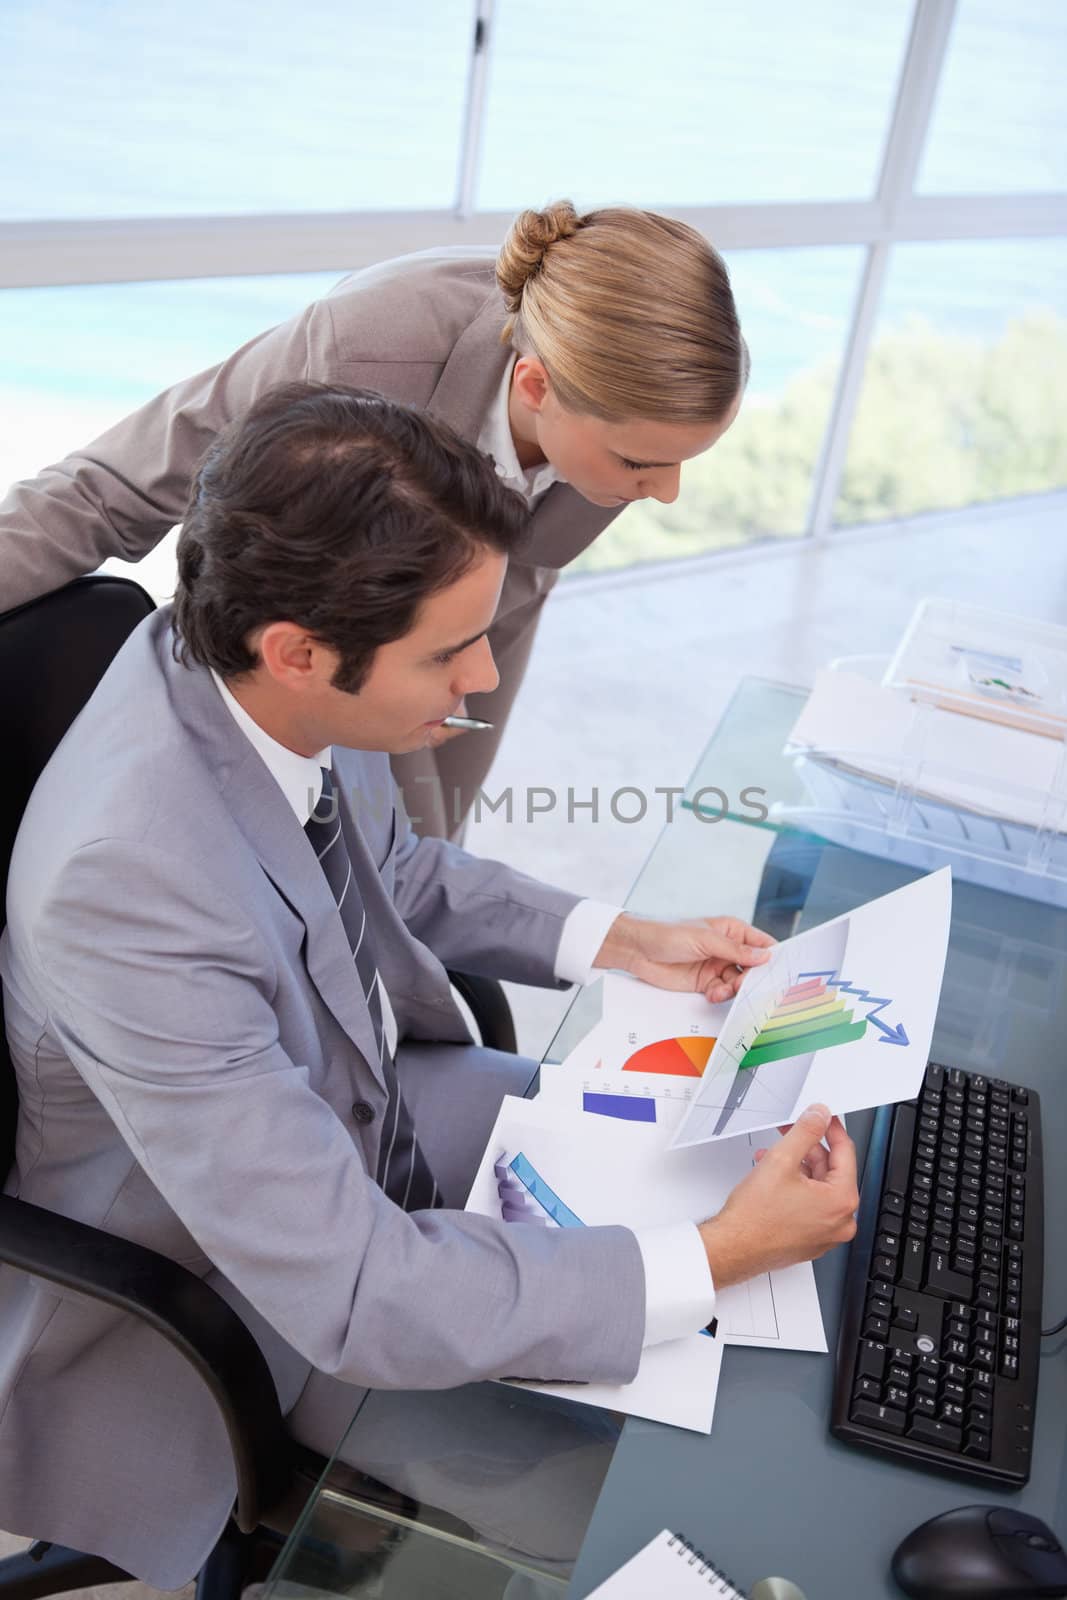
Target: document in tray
x,y
842,1014
974,766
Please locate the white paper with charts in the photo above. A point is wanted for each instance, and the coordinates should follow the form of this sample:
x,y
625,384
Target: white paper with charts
x,y
551,1169
640,1066
842,1014
775,1311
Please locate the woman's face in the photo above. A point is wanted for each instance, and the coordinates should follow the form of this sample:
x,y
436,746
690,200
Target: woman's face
x,y
609,463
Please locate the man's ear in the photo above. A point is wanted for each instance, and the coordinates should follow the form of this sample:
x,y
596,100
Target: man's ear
x,y
530,382
289,655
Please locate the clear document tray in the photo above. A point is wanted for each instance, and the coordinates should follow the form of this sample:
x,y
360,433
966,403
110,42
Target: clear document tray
x,y
916,782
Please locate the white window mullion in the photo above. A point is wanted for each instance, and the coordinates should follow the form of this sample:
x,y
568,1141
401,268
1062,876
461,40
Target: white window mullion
x,y
474,119
910,122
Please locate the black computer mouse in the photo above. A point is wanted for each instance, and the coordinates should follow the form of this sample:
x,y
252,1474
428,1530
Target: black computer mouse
x,y
982,1553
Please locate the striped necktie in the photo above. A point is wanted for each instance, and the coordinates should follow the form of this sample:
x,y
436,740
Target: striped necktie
x,y
402,1169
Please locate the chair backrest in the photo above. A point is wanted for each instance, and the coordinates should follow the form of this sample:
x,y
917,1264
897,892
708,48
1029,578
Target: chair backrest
x,y
53,653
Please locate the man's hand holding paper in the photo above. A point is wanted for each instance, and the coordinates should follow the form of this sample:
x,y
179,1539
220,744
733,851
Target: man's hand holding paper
x,y
798,1202
703,955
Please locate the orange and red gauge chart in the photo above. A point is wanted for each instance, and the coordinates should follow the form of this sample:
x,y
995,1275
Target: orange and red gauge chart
x,y
685,1057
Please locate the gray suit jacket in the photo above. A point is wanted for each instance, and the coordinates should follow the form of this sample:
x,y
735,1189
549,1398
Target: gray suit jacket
x,y
424,329
190,1041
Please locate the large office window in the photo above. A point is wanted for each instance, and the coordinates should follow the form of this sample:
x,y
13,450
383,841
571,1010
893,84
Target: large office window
x,y
78,359
689,104
964,398
228,106
1000,122
888,183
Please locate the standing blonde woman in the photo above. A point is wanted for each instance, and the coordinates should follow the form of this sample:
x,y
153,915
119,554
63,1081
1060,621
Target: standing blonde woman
x,y
591,358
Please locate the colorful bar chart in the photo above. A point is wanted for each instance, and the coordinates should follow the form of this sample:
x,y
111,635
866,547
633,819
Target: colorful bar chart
x,y
521,1170
629,1108
685,1057
808,1016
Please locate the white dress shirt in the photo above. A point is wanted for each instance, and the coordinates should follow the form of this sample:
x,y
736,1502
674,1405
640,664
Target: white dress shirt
x,y
679,1293
495,440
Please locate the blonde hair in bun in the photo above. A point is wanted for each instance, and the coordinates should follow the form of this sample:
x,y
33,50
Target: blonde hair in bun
x,y
529,237
630,313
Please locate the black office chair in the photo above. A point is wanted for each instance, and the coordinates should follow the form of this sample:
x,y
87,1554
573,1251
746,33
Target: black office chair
x,y
55,650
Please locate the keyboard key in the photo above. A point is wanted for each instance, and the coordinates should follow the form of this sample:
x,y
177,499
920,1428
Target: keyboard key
x,y
978,1417
924,1405
870,1361
906,1318
977,1443
941,1280
867,1389
928,1431
898,1160
954,1392
912,1264
886,1418
926,1384
876,1328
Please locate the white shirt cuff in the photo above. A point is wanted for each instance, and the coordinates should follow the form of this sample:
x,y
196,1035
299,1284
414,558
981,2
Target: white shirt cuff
x,y
679,1291
584,930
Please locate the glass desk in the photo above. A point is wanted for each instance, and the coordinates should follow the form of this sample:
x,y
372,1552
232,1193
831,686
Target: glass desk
x,y
505,1491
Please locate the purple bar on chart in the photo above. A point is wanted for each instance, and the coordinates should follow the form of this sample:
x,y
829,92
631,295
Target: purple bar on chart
x,y
620,1105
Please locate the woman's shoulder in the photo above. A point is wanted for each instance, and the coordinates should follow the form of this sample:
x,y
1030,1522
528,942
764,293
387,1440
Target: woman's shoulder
x,y
413,307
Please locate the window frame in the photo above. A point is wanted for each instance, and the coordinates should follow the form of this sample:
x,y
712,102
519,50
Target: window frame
x,y
86,251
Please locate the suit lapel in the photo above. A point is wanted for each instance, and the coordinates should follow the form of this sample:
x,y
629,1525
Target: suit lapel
x,y
280,845
473,372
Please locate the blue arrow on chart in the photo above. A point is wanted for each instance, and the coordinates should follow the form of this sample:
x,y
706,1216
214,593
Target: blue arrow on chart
x,y
895,1035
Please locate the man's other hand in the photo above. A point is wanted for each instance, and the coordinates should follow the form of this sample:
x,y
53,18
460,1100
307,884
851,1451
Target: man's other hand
x,y
708,955
797,1202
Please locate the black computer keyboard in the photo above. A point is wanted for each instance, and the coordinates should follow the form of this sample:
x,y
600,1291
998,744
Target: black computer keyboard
x,y
941,1323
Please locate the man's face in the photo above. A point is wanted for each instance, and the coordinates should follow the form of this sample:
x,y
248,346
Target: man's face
x,y
417,681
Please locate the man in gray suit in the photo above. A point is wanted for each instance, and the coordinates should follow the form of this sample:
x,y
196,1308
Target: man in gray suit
x,y
225,991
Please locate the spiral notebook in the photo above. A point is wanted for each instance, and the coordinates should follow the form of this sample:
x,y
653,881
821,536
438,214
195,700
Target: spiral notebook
x,y
671,1569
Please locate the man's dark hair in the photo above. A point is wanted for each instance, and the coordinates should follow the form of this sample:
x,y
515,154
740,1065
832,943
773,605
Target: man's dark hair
x,y
337,510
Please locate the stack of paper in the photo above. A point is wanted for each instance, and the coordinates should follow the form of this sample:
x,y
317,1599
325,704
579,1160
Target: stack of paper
x,y
972,765
656,1116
